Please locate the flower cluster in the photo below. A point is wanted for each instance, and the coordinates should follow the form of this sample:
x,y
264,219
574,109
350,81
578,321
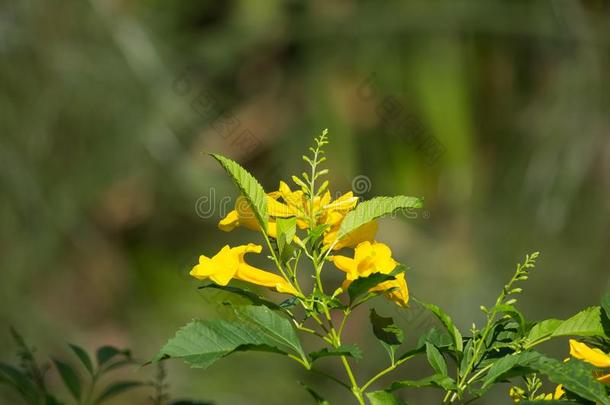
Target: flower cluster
x,y
319,218
369,256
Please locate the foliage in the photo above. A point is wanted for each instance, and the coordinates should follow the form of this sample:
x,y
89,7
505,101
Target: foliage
x,y
81,378
309,223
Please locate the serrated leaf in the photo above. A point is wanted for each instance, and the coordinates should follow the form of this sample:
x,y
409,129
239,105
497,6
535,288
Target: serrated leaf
x,y
383,398
542,330
83,357
116,389
343,350
375,208
507,363
362,285
574,375
250,188
201,343
584,323
272,325
436,380
448,323
436,359
69,377
385,329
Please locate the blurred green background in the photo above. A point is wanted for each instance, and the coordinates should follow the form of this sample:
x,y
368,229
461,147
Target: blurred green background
x,y
496,112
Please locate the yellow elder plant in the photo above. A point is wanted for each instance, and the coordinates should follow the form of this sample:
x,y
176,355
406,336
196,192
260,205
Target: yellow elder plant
x,y
306,233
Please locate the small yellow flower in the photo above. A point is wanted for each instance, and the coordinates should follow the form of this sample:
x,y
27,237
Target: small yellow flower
x,y
374,257
363,233
229,264
592,356
242,215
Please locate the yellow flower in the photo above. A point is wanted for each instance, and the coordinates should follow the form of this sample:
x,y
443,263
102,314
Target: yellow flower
x,y
363,233
592,356
229,264
374,257
242,215
333,215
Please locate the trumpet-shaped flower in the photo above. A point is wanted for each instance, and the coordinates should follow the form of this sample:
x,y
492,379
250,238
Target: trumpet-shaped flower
x,y
229,264
242,215
374,257
588,354
592,356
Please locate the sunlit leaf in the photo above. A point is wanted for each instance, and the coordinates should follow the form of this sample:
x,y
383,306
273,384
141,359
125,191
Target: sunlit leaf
x,y
375,208
250,188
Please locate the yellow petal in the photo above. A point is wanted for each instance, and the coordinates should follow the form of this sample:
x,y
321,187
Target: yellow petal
x,y
363,233
559,392
229,222
220,268
278,209
251,274
590,355
347,265
399,292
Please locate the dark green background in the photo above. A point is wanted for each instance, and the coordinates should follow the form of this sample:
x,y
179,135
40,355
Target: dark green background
x,y
106,108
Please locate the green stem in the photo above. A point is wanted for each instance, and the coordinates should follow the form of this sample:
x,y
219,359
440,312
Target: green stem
x,y
385,371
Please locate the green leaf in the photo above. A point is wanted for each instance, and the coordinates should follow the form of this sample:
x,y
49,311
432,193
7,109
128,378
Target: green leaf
x,y
375,208
116,389
83,357
106,353
286,229
440,339
514,313
507,363
436,380
385,329
19,381
250,297
436,359
273,326
448,323
383,398
201,343
250,188
69,377
362,285
343,350
574,375
584,323
542,331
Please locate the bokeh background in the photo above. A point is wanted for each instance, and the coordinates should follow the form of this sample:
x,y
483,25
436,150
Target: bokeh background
x,y
496,112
